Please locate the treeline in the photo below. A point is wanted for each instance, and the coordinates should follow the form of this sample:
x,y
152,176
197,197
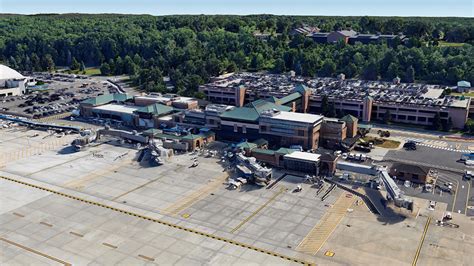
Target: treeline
x,y
191,49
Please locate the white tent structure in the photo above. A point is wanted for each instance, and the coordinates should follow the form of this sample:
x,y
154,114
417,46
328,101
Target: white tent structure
x,y
12,83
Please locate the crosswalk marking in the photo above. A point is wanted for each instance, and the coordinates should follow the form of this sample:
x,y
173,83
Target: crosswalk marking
x,y
436,144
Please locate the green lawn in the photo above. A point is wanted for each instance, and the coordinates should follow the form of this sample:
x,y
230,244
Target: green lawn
x,y
387,143
90,71
469,94
450,44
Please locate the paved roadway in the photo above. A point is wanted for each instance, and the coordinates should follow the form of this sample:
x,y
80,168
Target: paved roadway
x,y
450,171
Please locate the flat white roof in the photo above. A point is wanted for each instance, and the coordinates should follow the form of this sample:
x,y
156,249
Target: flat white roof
x,y
166,118
297,117
307,156
154,97
119,108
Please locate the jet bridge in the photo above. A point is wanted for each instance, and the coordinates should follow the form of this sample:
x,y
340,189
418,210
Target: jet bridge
x,y
253,170
394,192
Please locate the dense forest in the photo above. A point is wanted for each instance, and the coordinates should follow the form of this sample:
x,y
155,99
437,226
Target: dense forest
x,y
191,49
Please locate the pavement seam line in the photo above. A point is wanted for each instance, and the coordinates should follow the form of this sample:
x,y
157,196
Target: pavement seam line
x,y
35,251
230,241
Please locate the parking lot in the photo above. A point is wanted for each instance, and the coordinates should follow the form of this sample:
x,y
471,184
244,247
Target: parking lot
x,y
56,94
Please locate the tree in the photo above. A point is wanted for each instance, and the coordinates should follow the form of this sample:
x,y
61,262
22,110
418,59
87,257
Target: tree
x,y
392,71
279,66
75,65
257,61
12,62
437,122
387,117
105,69
351,70
469,126
328,68
409,75
370,71
129,66
47,63
35,62
82,66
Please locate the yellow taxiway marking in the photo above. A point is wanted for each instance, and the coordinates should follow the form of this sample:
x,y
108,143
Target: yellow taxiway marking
x,y
35,251
282,189
455,196
467,197
79,183
146,257
329,253
162,222
320,233
189,200
137,188
422,240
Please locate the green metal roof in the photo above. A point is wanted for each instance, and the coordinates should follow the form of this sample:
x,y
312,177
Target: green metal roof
x,y
272,99
260,142
107,98
289,98
246,145
349,118
301,88
251,112
200,135
264,151
166,136
156,109
261,105
285,150
241,113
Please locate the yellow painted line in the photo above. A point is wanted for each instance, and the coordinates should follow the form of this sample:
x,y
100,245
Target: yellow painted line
x,y
455,195
76,234
35,251
109,245
137,188
282,189
146,257
329,253
420,245
46,224
52,166
179,227
321,232
79,182
195,196
467,197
